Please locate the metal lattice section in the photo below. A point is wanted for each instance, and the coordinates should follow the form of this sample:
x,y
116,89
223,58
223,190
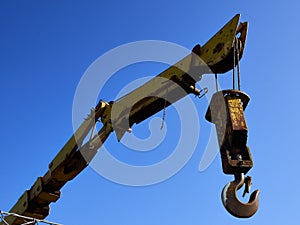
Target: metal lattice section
x,y
26,220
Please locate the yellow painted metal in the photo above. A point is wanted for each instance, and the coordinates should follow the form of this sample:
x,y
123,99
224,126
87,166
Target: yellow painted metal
x,y
76,140
174,83
35,201
236,114
19,208
220,45
40,195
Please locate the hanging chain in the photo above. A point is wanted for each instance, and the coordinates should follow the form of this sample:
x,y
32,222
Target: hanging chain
x,y
93,131
164,112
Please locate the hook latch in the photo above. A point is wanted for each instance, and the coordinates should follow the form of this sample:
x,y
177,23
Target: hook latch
x,y
231,202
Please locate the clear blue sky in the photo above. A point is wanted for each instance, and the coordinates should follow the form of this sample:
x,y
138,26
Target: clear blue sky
x,y
45,48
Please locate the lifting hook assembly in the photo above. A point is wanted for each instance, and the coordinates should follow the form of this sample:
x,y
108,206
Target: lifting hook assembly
x,y
226,111
232,203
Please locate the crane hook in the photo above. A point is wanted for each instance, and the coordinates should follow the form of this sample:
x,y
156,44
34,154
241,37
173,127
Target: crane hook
x,y
232,204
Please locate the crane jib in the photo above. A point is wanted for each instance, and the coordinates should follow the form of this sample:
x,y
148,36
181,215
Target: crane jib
x,y
216,56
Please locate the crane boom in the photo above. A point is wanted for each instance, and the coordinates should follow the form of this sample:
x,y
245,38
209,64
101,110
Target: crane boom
x,y
216,56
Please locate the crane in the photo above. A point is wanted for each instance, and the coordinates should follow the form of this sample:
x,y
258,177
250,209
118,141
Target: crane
x,y
219,55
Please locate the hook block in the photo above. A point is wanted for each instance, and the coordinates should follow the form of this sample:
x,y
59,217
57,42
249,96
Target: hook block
x,y
226,111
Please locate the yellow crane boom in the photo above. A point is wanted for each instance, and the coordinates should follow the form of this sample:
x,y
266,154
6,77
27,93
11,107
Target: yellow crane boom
x,y
216,56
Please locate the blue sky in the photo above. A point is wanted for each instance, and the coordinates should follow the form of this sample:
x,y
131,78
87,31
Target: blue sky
x,y
45,48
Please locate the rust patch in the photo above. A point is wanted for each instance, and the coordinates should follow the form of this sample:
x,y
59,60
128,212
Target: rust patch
x,y
218,48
